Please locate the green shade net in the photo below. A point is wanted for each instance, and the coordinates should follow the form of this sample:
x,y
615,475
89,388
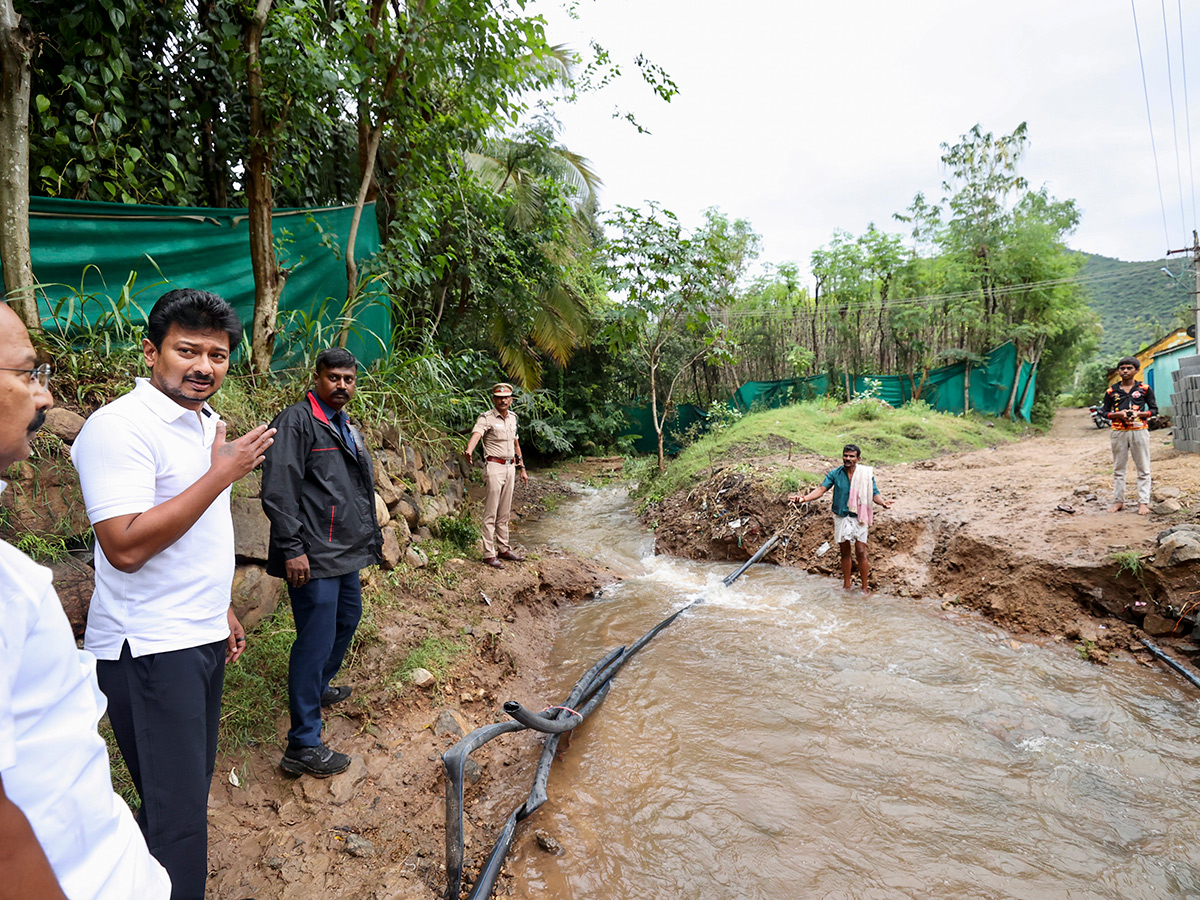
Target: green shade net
x,y
942,389
84,250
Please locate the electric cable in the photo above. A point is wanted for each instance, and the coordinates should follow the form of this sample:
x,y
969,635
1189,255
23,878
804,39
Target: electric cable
x,y
1150,122
1187,118
1174,124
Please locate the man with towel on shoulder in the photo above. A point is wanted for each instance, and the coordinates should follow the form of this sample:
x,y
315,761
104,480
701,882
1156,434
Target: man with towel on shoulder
x,y
853,490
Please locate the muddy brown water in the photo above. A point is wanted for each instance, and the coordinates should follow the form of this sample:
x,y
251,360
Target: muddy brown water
x,y
785,739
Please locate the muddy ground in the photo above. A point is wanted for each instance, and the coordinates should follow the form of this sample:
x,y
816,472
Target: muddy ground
x,y
1019,532
375,832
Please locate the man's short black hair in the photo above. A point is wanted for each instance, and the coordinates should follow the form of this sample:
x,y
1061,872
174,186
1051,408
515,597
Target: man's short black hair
x,y
336,358
852,448
192,310
1130,361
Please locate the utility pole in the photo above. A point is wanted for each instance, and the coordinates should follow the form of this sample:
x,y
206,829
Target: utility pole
x,y
1195,251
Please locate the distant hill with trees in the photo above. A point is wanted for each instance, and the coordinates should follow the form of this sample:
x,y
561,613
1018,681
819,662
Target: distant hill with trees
x,y
1137,302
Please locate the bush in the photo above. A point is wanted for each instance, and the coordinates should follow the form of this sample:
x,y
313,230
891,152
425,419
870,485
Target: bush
x,y
458,531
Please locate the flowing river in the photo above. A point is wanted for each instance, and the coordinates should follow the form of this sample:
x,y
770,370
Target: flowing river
x,y
787,740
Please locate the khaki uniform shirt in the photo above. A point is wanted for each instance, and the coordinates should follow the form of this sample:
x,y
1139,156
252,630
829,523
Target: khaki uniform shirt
x,y
498,434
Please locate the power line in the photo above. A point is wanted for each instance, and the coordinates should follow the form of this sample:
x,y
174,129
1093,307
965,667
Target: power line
x,y
1150,122
1174,125
1187,118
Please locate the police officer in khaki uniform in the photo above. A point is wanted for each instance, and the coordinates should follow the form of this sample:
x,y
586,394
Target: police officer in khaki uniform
x,y
497,428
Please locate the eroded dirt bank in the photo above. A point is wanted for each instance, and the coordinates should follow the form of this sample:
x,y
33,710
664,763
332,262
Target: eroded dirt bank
x,y
1020,532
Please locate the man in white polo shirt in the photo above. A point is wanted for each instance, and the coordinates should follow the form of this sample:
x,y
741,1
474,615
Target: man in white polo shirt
x,y
156,470
63,832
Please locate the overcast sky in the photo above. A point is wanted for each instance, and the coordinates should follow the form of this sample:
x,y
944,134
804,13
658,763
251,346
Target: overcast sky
x,y
804,117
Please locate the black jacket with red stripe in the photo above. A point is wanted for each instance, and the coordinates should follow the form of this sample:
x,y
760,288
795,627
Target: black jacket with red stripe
x,y
319,496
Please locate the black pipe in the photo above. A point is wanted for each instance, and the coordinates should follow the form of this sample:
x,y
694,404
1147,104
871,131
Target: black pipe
x,y
759,554
1172,662
592,687
543,721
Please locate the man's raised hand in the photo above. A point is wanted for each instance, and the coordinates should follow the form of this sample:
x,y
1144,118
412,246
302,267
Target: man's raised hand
x,y
237,459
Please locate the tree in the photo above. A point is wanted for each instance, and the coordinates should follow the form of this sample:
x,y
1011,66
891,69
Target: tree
x,y
668,293
16,53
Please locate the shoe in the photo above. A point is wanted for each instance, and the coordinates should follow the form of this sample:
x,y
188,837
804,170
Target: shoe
x,y
319,761
493,562
336,694
510,555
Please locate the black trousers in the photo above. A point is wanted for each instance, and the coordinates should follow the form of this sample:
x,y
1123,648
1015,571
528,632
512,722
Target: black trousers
x,y
164,709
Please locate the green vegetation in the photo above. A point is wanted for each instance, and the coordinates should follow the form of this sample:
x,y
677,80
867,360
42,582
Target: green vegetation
x,y
822,427
256,685
434,653
1128,561
460,532
1137,302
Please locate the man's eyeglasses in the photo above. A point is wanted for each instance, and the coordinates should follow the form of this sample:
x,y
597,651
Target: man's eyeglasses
x,y
40,374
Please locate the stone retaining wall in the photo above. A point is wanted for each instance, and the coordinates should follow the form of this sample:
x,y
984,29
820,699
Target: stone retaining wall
x,y
43,503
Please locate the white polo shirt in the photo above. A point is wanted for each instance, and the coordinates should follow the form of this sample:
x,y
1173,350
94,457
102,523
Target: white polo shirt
x,y
53,763
133,454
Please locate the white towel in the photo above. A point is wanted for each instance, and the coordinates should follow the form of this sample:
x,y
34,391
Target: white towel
x,y
862,493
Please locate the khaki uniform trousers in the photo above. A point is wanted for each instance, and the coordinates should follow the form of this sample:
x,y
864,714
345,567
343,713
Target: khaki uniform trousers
x,y
1124,445
500,479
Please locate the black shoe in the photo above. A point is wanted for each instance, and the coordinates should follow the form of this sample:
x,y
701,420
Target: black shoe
x,y
319,761
336,694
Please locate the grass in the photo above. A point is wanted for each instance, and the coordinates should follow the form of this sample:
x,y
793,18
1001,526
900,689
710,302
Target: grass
x,y
437,654
256,685
822,427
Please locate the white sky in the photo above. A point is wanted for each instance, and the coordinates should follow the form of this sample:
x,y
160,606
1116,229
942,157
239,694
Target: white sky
x,y
803,117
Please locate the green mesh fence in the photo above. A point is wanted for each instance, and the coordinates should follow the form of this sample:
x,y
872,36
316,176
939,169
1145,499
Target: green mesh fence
x,y
89,249
942,389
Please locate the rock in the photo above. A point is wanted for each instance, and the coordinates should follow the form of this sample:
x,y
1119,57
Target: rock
x,y
381,511
74,582
1089,632
251,529
392,552
343,786
423,483
408,509
1175,529
1082,490
452,490
418,461
1180,547
548,843
403,535
354,844
255,594
1166,507
44,499
1168,492
422,678
452,722
1156,626
389,435
437,477
473,771
416,557
384,487
63,423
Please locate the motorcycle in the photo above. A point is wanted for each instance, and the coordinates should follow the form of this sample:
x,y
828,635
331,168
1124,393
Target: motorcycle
x,y
1099,418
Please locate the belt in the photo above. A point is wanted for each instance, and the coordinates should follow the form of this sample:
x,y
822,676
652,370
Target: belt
x,y
503,460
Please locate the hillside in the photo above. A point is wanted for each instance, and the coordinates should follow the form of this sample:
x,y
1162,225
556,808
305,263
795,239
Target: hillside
x,y
1136,301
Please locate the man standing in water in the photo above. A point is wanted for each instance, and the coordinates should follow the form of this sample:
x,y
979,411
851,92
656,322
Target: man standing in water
x,y
497,428
1129,404
853,491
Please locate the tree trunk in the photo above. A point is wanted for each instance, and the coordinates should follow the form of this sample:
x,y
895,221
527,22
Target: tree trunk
x,y
967,387
16,51
260,200
359,204
659,426
1012,395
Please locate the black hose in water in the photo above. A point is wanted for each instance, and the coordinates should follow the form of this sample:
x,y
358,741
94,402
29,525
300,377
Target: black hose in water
x,y
590,691
1171,661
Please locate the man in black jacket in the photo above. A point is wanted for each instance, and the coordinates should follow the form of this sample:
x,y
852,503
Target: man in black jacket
x,y
318,490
